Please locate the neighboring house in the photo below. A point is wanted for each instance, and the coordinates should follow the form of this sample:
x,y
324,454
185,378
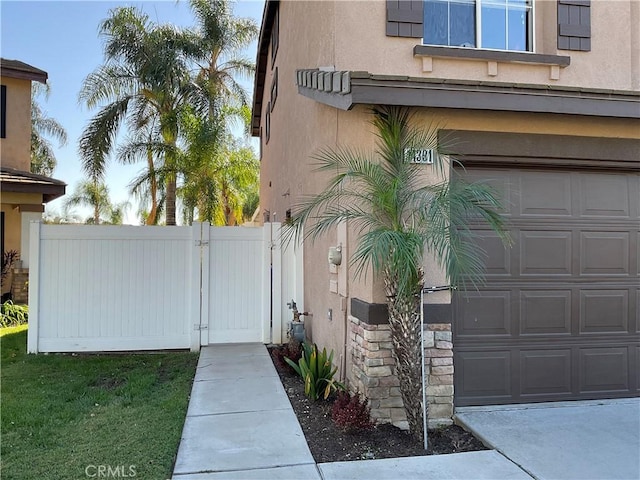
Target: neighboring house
x,y
543,100
23,193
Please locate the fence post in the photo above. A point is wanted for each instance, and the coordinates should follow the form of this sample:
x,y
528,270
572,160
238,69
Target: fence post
x,y
276,282
193,318
205,269
34,287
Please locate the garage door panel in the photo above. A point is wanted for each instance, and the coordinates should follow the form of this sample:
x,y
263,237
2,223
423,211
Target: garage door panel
x,y
604,311
542,196
545,372
604,253
498,258
604,369
564,300
484,374
544,312
545,252
486,313
603,195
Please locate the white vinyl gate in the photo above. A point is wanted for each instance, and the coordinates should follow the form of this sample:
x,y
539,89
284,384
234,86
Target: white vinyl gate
x,y
124,288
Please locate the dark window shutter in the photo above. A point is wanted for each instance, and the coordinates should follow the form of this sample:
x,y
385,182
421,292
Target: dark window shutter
x,y
405,18
574,25
3,112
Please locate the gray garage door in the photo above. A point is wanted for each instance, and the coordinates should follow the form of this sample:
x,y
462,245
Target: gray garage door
x,y
559,316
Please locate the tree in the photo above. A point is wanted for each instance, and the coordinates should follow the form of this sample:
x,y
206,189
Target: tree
x,y
43,159
221,173
92,194
216,47
145,78
396,217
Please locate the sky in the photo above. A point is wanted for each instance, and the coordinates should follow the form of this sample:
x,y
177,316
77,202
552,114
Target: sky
x,y
61,38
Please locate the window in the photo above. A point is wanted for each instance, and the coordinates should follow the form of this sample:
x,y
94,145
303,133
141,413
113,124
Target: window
x,y
3,111
267,123
274,89
275,36
491,24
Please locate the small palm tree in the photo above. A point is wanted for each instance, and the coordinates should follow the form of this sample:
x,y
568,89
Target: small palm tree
x,y
96,195
43,159
396,216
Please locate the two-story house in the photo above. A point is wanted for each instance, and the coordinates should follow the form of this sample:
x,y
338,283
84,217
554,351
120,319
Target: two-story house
x,y
543,100
23,193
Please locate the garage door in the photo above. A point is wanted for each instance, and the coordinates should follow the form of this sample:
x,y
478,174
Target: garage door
x,y
559,316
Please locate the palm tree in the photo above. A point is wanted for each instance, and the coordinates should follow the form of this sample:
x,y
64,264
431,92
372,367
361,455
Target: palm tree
x,y
220,172
396,217
145,76
217,48
43,159
146,143
92,194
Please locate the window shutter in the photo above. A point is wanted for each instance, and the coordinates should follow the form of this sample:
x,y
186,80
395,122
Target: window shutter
x,y
405,18
3,113
574,25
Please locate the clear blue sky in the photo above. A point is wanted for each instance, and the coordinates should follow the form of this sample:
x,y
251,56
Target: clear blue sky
x,y
61,37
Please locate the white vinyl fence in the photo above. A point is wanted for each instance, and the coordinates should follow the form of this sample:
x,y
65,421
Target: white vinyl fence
x,y
123,288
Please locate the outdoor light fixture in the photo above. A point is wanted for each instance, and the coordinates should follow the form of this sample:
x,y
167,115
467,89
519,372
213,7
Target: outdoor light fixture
x,y
335,255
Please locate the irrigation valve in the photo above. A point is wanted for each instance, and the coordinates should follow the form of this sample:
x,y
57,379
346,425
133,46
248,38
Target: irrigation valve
x,y
335,255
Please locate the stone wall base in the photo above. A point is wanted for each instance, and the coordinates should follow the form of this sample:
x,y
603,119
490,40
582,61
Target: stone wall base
x,y
372,372
20,286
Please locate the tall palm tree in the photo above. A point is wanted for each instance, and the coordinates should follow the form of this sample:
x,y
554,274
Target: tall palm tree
x,y
217,47
396,217
145,75
220,172
43,159
145,142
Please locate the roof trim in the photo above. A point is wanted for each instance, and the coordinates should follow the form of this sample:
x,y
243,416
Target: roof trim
x,y
262,57
19,181
22,71
343,90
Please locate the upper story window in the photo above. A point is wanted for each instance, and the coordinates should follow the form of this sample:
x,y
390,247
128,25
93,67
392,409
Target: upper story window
x,y
491,24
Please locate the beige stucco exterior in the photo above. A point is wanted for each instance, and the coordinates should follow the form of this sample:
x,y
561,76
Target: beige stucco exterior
x,y
23,194
350,36
15,147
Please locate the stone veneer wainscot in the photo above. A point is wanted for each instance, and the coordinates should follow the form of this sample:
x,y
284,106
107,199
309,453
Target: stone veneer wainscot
x,y
373,375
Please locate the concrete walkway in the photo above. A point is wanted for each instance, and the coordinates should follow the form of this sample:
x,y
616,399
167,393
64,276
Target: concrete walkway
x,y
240,425
563,440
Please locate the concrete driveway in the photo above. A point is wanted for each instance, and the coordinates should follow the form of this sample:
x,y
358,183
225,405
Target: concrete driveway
x,y
564,440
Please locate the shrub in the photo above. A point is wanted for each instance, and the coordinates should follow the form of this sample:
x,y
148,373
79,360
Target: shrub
x,y
291,350
8,259
317,371
351,413
12,315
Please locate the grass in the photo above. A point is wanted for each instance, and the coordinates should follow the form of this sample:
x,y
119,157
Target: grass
x,y
64,416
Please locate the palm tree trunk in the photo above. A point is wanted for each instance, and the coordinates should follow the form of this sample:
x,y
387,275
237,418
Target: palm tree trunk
x,y
171,200
152,218
404,320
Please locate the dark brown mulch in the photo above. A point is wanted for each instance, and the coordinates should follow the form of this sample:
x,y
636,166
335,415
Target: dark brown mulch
x,y
328,443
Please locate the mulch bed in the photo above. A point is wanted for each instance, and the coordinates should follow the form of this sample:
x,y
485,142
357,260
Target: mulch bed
x,y
329,443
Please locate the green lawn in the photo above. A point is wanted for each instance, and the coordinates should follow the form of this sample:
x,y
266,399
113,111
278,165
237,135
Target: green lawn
x,y
64,416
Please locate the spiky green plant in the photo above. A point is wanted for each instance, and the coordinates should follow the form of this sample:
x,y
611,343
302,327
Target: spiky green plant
x,y
397,216
317,371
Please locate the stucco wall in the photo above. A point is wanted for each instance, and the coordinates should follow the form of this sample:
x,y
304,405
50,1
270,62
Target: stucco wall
x,y
15,147
337,37
612,63
300,126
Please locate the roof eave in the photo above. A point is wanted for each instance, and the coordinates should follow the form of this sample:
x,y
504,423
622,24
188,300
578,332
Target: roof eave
x,y
264,39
